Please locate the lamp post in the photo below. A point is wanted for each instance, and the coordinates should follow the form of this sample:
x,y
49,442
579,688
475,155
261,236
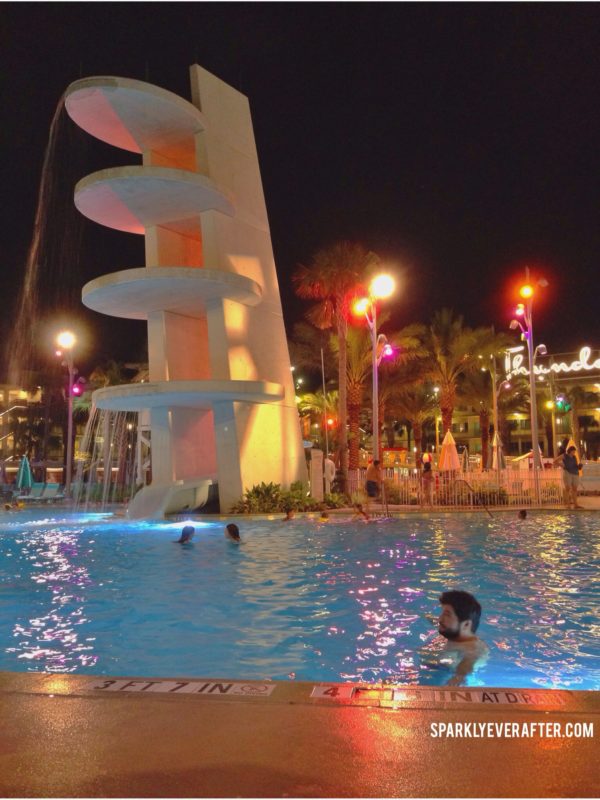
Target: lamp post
x,y
381,287
525,310
66,341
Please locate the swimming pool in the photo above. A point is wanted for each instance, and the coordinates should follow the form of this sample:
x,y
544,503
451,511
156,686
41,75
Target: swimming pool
x,y
299,600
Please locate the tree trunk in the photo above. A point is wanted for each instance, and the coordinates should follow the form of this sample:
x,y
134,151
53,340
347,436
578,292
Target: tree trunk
x,y
418,434
575,428
548,429
484,425
390,435
355,396
342,404
381,414
353,434
447,399
447,412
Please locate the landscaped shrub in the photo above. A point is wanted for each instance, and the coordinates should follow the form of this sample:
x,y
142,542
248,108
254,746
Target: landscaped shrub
x,y
267,498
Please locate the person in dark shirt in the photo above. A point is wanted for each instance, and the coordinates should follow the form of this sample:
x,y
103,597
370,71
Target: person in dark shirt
x,y
570,466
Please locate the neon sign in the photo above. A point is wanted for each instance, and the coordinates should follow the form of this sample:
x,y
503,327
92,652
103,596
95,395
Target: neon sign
x,y
514,364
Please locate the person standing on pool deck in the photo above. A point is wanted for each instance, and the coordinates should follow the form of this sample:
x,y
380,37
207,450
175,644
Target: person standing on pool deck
x,y
372,481
568,462
427,485
457,623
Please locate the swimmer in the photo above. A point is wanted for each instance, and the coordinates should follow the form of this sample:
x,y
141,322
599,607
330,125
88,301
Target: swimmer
x,y
289,515
522,514
187,535
457,623
232,532
360,513
324,517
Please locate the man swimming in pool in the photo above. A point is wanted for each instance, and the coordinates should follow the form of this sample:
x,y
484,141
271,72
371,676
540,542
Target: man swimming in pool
x,y
457,623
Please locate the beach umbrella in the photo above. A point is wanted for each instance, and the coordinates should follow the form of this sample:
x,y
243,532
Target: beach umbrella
x,y
449,459
496,458
24,476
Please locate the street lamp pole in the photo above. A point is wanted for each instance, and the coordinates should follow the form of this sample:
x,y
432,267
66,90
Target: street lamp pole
x,y
71,370
373,327
537,463
381,286
66,341
525,310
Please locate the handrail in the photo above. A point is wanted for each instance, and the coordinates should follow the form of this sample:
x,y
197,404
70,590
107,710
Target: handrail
x,y
462,480
8,410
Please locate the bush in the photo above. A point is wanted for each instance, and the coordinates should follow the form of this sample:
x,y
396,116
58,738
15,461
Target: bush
x,y
267,498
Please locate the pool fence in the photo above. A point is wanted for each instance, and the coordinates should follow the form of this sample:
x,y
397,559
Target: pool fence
x,y
471,489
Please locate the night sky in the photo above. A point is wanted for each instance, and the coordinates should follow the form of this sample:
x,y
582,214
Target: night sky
x,y
460,142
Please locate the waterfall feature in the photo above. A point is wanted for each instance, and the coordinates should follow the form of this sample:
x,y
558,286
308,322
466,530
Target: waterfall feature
x,y
113,459
53,257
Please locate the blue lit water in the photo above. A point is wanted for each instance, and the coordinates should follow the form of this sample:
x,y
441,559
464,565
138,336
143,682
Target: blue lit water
x,y
329,602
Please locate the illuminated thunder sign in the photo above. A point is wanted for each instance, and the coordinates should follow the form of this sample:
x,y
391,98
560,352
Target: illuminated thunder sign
x,y
514,364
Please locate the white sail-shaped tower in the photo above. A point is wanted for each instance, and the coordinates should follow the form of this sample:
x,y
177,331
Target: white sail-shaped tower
x,y
220,396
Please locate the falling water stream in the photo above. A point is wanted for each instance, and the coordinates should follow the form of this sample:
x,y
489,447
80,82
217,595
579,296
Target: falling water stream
x,y
113,459
54,253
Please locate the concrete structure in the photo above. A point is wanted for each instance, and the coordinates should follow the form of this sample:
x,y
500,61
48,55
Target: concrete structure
x,y
220,396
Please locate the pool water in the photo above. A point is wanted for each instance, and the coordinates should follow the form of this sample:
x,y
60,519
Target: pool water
x,y
300,600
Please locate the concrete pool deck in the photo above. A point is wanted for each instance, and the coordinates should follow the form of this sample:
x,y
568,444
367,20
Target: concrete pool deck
x,y
91,736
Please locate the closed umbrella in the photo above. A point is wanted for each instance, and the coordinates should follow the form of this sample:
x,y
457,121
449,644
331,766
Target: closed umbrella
x,y
449,459
496,458
24,476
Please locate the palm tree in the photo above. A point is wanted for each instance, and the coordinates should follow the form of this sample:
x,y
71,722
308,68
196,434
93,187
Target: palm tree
x,y
476,389
305,348
332,279
406,347
580,398
358,370
318,406
454,351
513,401
408,395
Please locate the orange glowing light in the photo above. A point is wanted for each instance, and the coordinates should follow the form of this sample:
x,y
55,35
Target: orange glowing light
x,y
360,306
526,291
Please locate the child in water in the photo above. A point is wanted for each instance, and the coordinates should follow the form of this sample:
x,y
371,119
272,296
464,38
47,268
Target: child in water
x,y
232,532
186,535
360,513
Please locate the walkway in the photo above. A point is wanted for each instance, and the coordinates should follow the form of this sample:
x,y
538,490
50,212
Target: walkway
x,y
62,738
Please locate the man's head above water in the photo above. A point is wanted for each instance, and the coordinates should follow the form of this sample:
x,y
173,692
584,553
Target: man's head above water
x,y
460,615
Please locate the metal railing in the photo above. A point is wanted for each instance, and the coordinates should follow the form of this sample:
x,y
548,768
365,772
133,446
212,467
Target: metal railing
x,y
468,490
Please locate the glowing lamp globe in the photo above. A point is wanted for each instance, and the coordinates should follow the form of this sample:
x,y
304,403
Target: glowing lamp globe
x,y
520,310
360,306
388,350
382,286
526,291
66,340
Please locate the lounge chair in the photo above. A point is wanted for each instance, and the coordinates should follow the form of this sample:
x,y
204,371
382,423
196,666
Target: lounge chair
x,y
52,492
34,494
